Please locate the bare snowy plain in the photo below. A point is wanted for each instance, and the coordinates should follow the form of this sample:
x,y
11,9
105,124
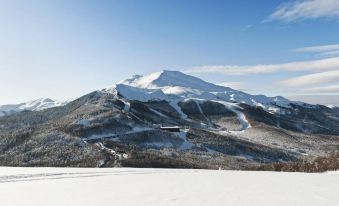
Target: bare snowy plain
x,y
129,186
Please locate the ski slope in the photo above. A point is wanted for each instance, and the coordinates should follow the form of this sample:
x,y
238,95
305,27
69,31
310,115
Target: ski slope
x,y
155,187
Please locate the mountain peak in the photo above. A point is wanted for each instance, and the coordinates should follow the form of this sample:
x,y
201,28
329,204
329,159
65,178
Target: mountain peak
x,y
170,78
168,83
171,72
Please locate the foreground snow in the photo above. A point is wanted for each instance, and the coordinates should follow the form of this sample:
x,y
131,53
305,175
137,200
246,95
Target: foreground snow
x,y
127,186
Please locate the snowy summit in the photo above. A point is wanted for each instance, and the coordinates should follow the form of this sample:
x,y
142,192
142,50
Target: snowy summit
x,y
174,85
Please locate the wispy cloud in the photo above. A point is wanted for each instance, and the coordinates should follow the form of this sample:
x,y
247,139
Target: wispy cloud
x,y
321,48
247,27
326,64
330,53
305,9
313,79
316,75
323,89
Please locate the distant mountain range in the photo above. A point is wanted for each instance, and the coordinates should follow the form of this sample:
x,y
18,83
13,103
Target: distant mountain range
x,y
35,105
166,119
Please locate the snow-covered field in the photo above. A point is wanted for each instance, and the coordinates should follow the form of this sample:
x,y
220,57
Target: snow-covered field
x,y
127,186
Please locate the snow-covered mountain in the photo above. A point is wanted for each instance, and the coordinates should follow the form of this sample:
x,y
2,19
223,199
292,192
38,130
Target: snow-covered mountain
x,y
177,86
187,94
34,105
131,124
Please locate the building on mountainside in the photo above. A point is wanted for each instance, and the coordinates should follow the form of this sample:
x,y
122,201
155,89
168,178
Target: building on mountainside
x,y
171,129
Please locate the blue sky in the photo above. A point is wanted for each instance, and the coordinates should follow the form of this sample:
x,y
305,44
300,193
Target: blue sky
x,y
66,48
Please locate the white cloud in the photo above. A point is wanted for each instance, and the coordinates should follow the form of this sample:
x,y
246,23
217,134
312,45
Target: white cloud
x,y
326,64
319,74
306,9
312,79
331,53
321,48
325,89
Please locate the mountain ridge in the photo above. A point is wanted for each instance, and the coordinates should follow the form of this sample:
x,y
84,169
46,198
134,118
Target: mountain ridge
x,y
185,86
161,85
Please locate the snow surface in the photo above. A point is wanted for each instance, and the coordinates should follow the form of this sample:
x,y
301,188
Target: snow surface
x,y
186,145
159,113
154,187
83,122
175,105
331,106
234,107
